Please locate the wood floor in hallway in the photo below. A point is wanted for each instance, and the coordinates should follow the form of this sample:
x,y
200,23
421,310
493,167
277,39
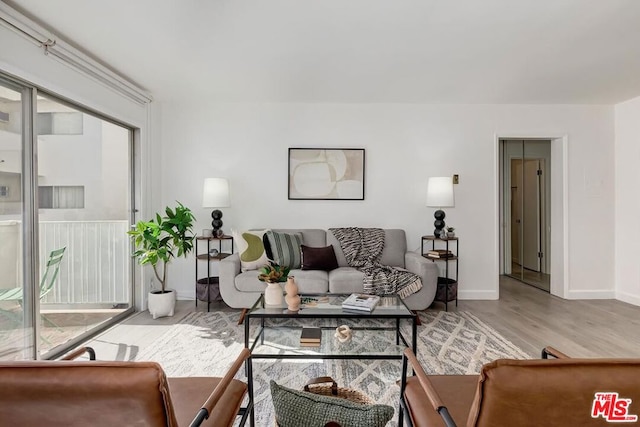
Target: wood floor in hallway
x,y
533,319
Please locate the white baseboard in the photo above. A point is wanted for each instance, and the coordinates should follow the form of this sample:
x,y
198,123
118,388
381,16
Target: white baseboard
x,y
591,294
477,295
628,298
186,295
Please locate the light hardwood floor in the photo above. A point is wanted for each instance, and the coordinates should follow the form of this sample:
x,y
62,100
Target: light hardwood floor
x,y
533,319
529,317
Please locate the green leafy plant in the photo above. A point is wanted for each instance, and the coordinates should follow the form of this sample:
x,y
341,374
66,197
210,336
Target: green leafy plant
x,y
273,273
450,229
159,240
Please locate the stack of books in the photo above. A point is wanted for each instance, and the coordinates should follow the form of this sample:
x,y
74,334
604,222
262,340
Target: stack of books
x,y
439,253
310,337
360,302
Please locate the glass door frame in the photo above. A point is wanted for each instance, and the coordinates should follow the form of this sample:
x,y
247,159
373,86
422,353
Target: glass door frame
x,y
30,215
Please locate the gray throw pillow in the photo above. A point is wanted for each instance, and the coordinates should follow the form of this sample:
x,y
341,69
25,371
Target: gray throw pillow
x,y
285,248
300,408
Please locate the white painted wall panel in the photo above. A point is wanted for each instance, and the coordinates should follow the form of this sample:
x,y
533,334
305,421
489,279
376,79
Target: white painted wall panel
x,y
405,145
627,202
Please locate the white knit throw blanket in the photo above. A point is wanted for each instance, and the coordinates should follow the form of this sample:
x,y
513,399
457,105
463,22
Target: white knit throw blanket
x,y
362,248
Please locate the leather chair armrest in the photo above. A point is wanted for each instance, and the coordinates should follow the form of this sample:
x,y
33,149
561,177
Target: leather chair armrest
x,y
434,399
220,389
79,352
550,351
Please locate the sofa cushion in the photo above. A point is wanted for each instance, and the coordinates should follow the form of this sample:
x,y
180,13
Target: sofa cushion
x,y
308,281
285,248
310,236
251,249
345,280
318,258
300,408
247,281
311,281
395,246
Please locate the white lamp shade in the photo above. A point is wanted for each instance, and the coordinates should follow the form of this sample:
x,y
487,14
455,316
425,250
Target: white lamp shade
x,y
440,192
215,193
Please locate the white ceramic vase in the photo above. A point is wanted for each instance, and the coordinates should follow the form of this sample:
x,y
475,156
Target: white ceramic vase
x,y
273,294
162,304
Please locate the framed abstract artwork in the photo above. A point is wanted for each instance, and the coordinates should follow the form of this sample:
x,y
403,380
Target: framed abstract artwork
x,y
326,174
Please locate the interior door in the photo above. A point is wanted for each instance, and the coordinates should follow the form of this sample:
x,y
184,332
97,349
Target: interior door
x,y
531,206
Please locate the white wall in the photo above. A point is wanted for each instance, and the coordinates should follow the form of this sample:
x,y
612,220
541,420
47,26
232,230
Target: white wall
x,y
405,144
627,201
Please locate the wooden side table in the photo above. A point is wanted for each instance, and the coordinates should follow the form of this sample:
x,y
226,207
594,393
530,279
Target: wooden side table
x,y
442,250
208,287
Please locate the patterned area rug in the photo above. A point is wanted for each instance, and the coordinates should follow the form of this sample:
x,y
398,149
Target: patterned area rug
x,y
205,344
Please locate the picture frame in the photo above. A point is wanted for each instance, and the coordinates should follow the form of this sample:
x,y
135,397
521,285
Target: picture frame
x,y
326,173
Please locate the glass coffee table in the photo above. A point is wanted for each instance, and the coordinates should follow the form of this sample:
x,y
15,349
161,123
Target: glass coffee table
x,y
273,332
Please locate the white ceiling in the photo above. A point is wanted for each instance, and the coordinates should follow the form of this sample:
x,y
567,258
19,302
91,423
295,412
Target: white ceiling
x,y
416,51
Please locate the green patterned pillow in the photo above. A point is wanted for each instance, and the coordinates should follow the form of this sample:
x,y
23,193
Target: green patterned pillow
x,y
285,248
251,249
300,408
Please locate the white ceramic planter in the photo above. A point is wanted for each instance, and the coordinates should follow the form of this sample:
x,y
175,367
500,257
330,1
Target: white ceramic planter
x,y
162,305
273,294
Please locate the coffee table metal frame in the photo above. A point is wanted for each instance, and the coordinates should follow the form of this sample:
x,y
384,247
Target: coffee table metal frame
x,y
264,313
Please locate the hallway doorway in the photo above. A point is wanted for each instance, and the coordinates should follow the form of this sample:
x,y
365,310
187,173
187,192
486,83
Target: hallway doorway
x,y
526,210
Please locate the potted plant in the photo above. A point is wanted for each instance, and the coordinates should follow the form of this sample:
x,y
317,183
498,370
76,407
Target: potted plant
x,y
157,242
451,232
273,274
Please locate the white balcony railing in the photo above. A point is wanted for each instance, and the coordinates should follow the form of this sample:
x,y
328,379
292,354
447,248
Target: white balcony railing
x,y
96,265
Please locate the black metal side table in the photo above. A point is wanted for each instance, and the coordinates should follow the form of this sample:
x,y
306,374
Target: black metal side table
x,y
447,289
208,288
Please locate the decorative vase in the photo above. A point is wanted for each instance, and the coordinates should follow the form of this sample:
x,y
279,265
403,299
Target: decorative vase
x,y
161,304
451,234
292,298
273,294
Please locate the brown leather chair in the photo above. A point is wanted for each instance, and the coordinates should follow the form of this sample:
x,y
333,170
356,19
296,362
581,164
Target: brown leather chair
x,y
68,393
554,392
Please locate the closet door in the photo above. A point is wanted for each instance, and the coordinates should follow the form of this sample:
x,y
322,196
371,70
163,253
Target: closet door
x,y
526,210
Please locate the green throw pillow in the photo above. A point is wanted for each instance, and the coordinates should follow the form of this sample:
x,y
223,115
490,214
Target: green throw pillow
x,y
300,408
251,249
285,248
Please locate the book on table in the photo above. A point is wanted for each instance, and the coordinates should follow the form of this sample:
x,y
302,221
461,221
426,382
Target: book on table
x,y
310,337
439,253
361,302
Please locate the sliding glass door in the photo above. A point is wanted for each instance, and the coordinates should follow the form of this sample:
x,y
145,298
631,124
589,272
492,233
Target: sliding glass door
x,y
16,317
83,217
72,208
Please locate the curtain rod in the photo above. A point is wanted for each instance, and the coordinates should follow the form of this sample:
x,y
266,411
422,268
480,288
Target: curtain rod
x,y
68,55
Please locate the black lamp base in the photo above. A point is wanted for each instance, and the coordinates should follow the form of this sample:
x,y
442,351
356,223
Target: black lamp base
x,y
217,223
439,224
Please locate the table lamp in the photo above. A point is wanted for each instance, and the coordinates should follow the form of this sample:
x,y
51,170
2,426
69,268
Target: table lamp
x,y
439,195
216,195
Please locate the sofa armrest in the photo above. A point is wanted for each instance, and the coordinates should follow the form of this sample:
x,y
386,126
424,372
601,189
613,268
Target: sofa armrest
x,y
230,266
417,264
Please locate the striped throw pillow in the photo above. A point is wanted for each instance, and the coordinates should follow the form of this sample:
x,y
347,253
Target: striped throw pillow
x,y
285,248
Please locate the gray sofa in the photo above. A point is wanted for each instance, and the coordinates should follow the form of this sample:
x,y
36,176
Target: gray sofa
x,y
242,289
